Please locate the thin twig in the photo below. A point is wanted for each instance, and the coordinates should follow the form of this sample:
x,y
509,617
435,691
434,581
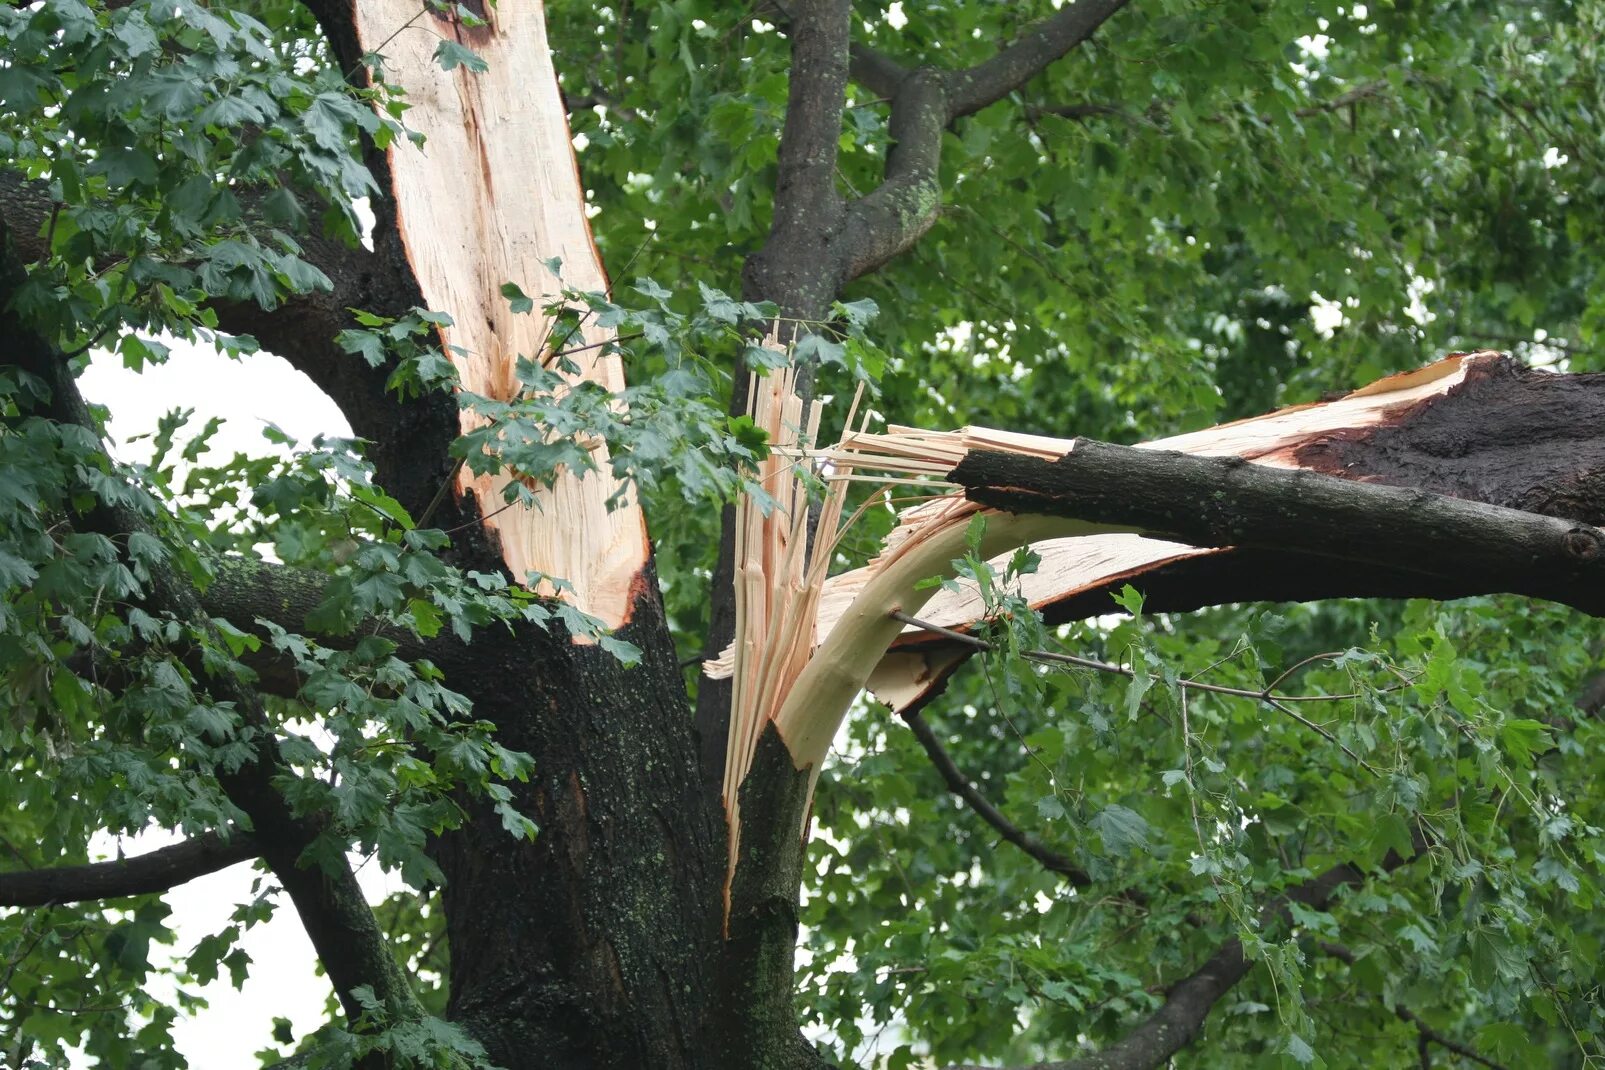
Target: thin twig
x,y
1266,696
440,495
960,785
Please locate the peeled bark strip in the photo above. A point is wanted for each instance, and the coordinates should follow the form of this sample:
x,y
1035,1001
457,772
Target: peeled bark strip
x,y
492,194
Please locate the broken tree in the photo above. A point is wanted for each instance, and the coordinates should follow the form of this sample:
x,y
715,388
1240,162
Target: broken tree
x,y
470,608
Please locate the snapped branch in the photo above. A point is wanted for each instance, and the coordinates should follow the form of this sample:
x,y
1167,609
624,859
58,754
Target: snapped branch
x,y
1226,501
153,871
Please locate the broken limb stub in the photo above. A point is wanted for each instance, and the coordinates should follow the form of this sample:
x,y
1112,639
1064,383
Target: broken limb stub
x,y
1302,489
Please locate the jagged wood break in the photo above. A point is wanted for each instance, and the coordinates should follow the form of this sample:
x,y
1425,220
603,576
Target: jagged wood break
x,y
492,194
1074,570
1397,421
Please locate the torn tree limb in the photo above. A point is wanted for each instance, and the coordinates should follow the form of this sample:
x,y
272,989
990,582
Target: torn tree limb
x,y
1220,502
153,871
1475,426
512,215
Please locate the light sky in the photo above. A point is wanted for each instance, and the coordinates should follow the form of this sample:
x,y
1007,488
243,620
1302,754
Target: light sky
x,y
283,983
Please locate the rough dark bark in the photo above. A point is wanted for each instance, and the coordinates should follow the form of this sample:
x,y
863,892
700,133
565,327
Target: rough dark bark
x,y
1226,501
592,945
757,1021
153,871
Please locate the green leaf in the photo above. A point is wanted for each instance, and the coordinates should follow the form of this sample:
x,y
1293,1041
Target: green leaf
x,y
1122,829
451,55
516,298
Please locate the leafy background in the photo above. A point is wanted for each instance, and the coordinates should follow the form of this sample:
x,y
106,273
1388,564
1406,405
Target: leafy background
x,y
1129,247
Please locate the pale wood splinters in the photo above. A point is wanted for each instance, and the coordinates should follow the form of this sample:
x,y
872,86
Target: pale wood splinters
x,y
467,231
804,679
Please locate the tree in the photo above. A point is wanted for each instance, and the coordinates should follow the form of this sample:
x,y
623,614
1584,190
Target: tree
x,y
1359,832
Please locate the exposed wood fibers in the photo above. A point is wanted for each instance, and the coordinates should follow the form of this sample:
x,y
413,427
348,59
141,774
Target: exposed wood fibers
x,y
469,229
803,678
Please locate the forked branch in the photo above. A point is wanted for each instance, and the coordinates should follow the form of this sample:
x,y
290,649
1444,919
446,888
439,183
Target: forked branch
x,y
892,217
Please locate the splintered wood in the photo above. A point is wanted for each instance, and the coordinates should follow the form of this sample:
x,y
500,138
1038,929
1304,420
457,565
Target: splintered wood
x,y
491,195
1071,566
778,580
855,643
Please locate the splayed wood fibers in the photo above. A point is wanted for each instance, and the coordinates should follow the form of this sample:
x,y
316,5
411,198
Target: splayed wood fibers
x,y
467,230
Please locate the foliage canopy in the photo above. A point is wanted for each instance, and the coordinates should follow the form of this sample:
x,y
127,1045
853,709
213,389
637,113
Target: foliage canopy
x,y
1128,246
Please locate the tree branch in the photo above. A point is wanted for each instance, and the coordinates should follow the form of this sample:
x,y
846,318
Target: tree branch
x,y
244,591
891,218
797,267
1029,55
875,70
154,871
1425,1031
1179,1020
1226,501
960,785
329,901
408,440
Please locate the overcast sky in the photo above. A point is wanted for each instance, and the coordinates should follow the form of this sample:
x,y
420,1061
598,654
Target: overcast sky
x,y
247,394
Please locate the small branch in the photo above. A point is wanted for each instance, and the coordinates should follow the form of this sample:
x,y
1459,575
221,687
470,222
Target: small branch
x,y
409,440
897,213
1188,1002
154,871
960,785
1431,1035
1426,1033
1027,56
869,67
875,71
1267,696
1082,112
